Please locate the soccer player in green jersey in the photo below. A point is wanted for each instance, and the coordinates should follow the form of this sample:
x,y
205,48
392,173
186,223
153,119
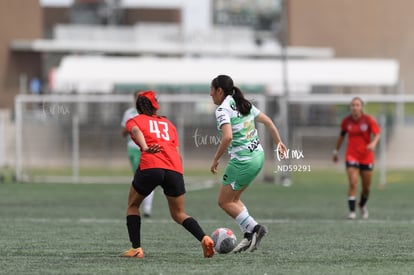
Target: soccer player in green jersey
x,y
134,153
236,117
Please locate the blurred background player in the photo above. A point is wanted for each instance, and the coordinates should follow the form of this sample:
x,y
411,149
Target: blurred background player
x,y
134,153
160,164
236,118
363,136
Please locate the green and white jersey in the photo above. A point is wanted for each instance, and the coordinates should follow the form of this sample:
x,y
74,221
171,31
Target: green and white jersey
x,y
128,114
245,138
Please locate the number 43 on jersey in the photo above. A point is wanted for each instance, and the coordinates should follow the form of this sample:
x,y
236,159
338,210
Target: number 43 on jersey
x,y
160,129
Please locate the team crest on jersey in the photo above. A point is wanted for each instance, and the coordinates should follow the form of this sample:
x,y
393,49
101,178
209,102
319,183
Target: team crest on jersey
x,y
363,127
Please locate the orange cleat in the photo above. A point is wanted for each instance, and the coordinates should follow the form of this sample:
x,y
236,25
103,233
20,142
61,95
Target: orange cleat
x,y
208,246
133,253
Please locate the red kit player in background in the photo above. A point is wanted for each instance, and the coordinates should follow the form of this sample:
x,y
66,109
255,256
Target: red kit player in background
x,y
363,136
161,165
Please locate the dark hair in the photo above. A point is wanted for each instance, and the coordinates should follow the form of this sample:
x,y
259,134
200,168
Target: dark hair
x,y
226,83
359,99
145,107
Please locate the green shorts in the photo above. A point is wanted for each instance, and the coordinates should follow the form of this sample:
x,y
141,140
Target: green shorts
x,y
134,155
242,173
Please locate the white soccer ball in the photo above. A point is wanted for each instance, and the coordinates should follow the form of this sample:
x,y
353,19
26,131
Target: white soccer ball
x,y
224,240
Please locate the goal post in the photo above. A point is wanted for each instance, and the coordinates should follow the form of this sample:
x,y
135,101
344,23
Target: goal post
x,y
77,137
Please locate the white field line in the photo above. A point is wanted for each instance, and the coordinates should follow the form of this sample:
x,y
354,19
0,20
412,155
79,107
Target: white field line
x,y
162,221
192,183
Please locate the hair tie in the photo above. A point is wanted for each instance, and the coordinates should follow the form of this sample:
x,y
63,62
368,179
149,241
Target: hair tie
x,y
232,91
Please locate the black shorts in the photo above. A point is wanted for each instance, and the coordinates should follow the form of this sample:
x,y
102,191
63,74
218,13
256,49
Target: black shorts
x,y
360,166
146,180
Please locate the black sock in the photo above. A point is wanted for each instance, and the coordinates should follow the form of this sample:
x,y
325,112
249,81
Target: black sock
x,y
134,230
363,200
351,205
194,228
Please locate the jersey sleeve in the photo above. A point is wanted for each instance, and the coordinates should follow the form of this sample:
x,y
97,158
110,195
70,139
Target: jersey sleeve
x,y
129,124
222,116
127,115
375,129
343,125
255,111
344,129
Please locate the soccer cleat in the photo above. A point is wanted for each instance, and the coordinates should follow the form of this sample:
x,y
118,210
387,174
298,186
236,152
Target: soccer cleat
x,y
208,247
243,244
133,253
259,232
364,212
351,216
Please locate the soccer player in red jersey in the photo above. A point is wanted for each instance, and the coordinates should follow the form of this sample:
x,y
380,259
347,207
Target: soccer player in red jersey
x,y
363,136
160,164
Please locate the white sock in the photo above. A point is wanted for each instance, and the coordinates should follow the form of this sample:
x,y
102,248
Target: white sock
x,y
245,221
147,203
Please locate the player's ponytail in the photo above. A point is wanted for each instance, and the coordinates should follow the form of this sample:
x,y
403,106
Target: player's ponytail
x,y
145,107
226,83
243,105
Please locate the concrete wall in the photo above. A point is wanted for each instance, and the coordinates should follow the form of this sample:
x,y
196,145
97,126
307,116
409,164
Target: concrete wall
x,y
355,28
19,19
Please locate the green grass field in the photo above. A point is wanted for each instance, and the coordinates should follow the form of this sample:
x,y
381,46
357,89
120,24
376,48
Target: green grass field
x,y
80,229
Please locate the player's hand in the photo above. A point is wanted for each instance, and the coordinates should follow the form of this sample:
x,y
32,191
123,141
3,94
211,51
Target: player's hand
x,y
152,149
335,156
281,148
214,166
371,147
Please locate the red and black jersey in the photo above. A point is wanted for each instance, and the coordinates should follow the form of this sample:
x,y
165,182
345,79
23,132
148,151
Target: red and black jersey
x,y
158,130
359,132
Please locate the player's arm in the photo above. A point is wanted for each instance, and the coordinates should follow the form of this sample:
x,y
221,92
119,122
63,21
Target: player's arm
x,y
140,139
226,138
375,130
338,145
124,121
272,129
371,146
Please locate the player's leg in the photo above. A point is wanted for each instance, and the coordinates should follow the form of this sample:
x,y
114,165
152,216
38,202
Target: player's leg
x,y
174,191
176,206
134,224
134,155
229,201
143,184
237,177
366,176
352,171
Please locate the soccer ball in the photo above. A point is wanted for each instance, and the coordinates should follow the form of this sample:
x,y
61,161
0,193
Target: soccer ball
x,y
224,240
